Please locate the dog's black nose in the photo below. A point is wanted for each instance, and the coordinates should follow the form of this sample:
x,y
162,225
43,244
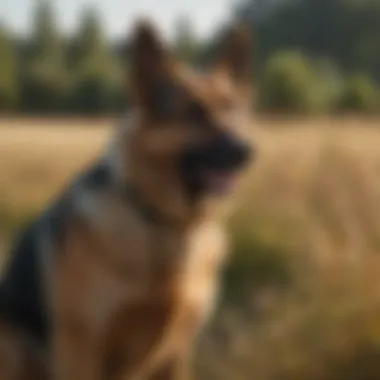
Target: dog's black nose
x,y
230,152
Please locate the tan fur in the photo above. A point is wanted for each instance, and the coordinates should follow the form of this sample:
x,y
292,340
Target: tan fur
x,y
20,359
139,309
130,297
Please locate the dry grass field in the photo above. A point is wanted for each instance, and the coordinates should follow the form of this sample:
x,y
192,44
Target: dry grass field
x,y
301,296
38,156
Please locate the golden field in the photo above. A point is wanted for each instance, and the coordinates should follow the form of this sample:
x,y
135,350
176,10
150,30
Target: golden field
x,y
38,156
301,296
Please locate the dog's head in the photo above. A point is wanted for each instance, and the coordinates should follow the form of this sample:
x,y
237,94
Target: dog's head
x,y
187,145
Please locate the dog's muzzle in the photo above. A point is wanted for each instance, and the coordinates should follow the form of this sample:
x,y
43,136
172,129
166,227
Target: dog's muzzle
x,y
213,166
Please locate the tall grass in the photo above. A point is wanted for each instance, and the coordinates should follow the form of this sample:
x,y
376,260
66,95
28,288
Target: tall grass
x,y
301,294
318,231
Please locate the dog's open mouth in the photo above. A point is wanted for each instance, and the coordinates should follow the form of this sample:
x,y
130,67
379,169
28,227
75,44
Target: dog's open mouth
x,y
214,169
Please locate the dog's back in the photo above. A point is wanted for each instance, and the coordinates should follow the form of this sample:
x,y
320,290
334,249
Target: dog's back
x,y
25,285
23,311
22,287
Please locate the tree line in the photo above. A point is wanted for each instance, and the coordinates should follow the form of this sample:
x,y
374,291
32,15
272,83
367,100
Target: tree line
x,y
48,74
310,56
314,56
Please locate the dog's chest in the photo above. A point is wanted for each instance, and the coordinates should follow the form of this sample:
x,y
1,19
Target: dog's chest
x,y
180,297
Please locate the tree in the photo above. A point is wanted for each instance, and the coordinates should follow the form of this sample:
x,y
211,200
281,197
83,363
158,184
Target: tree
x,y
290,84
186,44
8,72
360,95
45,77
345,31
97,81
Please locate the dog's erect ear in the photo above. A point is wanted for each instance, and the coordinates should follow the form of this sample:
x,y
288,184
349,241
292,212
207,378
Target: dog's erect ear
x,y
235,58
150,66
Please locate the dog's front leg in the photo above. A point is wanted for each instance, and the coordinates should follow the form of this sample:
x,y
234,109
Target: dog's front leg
x,y
177,368
76,353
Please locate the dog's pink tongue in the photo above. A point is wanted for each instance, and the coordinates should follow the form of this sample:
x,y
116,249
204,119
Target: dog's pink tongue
x,y
221,183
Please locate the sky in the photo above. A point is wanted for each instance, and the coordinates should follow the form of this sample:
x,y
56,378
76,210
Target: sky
x,y
118,15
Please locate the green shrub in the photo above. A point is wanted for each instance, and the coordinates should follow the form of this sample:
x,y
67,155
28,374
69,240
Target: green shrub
x,y
260,259
290,84
95,94
360,94
44,87
8,72
331,84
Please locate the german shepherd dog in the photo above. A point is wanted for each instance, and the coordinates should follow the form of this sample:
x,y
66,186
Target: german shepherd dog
x,y
116,279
